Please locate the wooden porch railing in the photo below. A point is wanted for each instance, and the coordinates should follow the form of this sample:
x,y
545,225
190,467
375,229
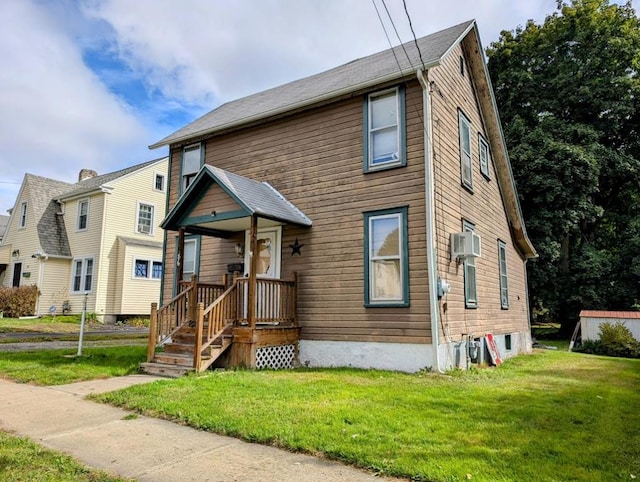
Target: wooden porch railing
x,y
275,301
180,310
214,309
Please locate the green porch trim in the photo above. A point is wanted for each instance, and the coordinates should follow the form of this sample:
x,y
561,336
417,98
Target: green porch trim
x,y
207,218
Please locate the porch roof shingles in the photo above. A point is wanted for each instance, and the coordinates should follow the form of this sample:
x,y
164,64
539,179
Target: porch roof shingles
x,y
259,198
331,84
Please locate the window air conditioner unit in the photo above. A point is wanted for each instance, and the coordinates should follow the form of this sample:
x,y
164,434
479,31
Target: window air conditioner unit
x,y
465,245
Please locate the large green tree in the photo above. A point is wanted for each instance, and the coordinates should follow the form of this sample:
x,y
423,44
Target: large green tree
x,y
568,93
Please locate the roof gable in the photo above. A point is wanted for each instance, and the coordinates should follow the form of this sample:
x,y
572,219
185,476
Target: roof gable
x,y
331,84
252,198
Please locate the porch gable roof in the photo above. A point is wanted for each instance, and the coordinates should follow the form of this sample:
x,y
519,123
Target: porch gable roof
x,y
253,198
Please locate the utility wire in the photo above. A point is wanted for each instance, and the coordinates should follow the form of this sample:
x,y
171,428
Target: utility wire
x,y
387,35
397,34
404,2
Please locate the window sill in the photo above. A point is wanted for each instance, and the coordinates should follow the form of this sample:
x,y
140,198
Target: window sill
x,y
383,167
399,304
467,188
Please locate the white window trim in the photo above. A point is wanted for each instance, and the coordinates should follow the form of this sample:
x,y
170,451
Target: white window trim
x,y
504,274
465,157
483,146
398,126
78,228
152,228
149,276
22,221
164,182
83,276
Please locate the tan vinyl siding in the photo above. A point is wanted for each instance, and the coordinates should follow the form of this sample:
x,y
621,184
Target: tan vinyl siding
x,y
86,244
55,289
25,240
121,216
137,293
315,160
483,207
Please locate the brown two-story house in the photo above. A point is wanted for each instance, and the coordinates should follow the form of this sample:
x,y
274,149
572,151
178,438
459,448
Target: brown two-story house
x,y
385,185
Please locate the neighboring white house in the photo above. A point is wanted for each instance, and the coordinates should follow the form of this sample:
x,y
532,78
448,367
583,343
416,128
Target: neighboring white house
x,y
591,320
4,222
97,238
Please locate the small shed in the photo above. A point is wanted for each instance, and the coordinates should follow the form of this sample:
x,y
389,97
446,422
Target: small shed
x,y
591,320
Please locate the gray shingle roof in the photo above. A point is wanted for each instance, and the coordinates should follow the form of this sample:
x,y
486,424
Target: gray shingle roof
x,y
259,197
254,197
43,194
140,242
94,183
51,229
351,77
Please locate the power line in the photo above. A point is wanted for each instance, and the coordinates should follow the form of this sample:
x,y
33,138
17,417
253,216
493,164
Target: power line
x,y
387,35
404,2
397,34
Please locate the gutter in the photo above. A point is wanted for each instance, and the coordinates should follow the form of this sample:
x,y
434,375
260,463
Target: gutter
x,y
434,307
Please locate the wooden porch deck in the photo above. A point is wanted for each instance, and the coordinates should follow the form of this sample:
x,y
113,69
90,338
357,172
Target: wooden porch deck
x,y
208,322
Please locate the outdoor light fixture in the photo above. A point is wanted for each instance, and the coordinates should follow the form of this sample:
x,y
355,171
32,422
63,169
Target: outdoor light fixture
x,y
15,253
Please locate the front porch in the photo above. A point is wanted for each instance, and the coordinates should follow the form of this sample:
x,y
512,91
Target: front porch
x,y
246,321
208,323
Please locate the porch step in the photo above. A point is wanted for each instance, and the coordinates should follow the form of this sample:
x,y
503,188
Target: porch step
x,y
165,370
182,359
179,348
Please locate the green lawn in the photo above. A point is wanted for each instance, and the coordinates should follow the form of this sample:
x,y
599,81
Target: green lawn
x,y
23,460
59,324
57,367
550,416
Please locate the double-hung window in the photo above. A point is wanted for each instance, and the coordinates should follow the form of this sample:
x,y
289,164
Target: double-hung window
x,y
470,282
191,162
504,285
464,130
23,215
82,280
384,132
158,183
483,150
83,214
386,258
145,218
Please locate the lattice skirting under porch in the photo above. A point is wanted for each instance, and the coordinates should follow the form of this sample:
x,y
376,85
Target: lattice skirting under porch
x,y
275,357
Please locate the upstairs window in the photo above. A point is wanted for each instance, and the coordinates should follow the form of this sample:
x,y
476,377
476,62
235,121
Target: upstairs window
x,y
145,218
82,281
191,162
23,215
384,133
83,214
386,258
464,127
470,282
483,149
504,282
158,184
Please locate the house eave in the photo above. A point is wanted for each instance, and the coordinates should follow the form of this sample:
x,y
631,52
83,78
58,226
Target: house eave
x,y
295,107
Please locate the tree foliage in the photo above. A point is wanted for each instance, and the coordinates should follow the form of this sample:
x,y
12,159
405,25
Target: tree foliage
x,y
568,92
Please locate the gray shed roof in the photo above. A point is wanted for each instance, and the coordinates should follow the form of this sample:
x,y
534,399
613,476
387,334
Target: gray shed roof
x,y
348,78
253,197
51,229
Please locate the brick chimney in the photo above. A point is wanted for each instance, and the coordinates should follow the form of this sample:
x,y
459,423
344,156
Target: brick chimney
x,y
86,174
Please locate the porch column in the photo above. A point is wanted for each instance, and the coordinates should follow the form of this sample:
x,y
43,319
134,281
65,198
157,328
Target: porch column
x,y
180,272
253,267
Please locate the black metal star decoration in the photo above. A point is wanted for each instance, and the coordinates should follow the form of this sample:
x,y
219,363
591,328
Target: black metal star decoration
x,y
296,247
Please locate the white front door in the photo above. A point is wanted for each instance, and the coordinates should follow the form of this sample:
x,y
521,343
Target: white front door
x,y
269,249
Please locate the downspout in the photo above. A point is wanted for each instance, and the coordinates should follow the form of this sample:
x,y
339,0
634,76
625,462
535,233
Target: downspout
x,y
432,268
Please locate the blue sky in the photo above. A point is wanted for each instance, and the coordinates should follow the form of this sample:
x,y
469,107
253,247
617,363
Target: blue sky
x,y
92,83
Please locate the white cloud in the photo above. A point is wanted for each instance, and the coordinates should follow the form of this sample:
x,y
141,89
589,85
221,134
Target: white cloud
x,y
191,55
57,116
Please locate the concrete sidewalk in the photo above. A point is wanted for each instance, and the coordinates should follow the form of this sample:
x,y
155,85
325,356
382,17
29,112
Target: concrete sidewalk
x,y
148,449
